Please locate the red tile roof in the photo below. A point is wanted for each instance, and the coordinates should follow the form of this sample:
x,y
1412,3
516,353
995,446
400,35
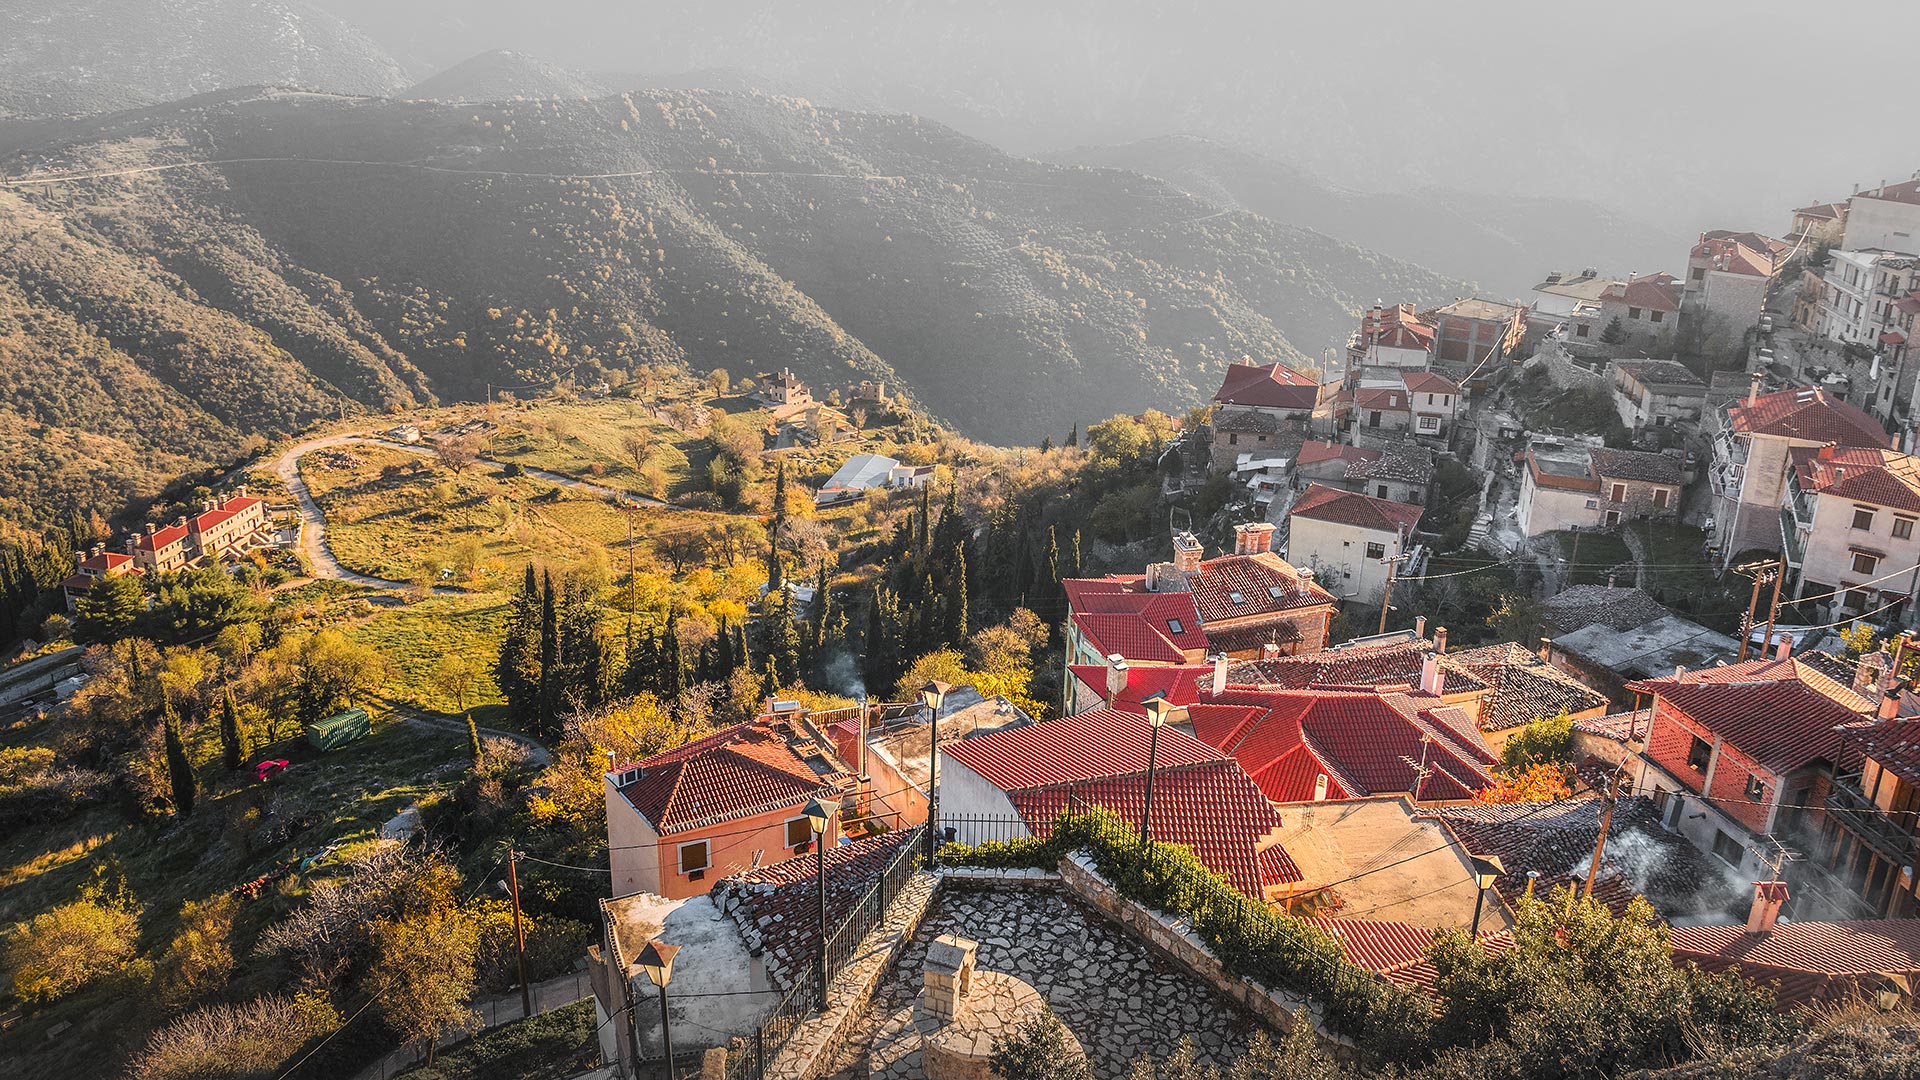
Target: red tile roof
x,y
1732,256
1895,744
1097,743
1270,386
1145,626
1384,398
747,769
1429,382
1823,211
1860,474
105,561
1313,452
1653,292
1906,191
1396,327
1265,583
1366,741
223,512
1809,415
1781,713
1422,975
1812,961
1211,807
1321,503
777,908
1180,684
160,539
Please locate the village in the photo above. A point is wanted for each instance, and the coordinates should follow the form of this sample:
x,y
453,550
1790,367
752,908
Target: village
x,y
1740,756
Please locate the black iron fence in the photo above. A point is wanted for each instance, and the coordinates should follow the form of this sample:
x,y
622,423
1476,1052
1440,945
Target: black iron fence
x,y
802,1003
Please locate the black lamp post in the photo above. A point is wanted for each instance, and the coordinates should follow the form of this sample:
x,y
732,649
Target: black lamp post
x,y
933,695
657,961
1486,871
1160,713
819,816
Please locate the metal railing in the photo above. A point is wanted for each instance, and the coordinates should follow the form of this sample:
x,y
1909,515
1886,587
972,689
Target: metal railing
x,y
1860,816
802,1003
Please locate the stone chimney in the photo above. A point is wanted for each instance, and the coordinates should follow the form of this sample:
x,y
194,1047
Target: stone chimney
x,y
1186,553
1419,626
1767,898
1253,538
1866,674
1753,388
1432,679
1440,641
1546,649
1219,674
152,528
1116,676
947,978
1270,651
1785,648
1890,702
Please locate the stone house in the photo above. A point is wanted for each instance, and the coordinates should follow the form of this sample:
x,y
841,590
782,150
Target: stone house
x,y
721,804
1587,487
1752,444
1656,393
162,549
92,566
1728,276
1378,408
1646,306
1820,225
1746,751
1848,518
1390,341
782,387
1256,406
1349,539
1472,331
225,525
1400,472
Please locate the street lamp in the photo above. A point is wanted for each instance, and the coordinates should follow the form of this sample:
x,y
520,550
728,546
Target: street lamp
x,y
1486,871
933,695
657,961
819,816
1160,712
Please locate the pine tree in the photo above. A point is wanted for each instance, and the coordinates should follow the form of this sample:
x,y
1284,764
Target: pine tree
x,y
1073,437
549,683
179,769
956,629
672,669
518,668
233,744
923,525
1046,445
473,744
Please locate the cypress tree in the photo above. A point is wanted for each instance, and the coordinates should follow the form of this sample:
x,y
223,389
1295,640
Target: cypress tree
x,y
548,687
923,525
517,671
741,657
1073,437
1046,445
473,743
956,629
723,661
822,613
233,746
179,769
673,675
1074,567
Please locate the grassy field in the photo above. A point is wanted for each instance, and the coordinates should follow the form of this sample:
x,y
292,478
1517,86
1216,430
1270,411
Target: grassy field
x,y
589,441
415,636
1592,555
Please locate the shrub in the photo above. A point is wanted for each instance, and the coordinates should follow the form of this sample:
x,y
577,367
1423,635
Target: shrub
x,y
249,1039
1020,853
1039,1050
69,947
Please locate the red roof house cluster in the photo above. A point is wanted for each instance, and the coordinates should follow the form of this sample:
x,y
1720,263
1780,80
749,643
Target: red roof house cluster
x,y
1322,503
1808,414
747,769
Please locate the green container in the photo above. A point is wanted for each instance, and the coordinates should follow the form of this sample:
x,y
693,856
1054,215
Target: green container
x,y
337,731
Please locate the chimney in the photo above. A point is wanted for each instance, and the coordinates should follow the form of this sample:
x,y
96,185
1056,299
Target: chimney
x,y
1419,626
1320,788
1753,388
1186,553
1866,674
1785,648
1440,642
152,528
240,492
1890,702
1826,452
1609,579
1252,538
1116,676
1219,674
1767,898
1432,679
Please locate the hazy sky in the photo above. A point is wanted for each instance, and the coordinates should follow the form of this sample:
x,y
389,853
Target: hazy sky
x,y
1737,109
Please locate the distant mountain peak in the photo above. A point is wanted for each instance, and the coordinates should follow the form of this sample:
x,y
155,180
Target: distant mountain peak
x,y
504,75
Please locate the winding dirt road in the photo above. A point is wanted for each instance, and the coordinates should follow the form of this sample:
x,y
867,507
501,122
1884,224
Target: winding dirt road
x,y
313,522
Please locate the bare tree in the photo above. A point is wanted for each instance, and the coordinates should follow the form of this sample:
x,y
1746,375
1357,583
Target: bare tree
x,y
639,447
456,454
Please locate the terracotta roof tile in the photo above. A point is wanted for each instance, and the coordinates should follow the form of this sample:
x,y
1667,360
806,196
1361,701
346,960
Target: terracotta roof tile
x,y
746,769
1395,663
1269,386
1861,474
776,906
1894,744
1396,327
1322,503
1313,452
1429,382
1097,743
1211,807
1523,687
1809,415
1635,465
1265,583
1653,292
161,538
1781,713
1812,961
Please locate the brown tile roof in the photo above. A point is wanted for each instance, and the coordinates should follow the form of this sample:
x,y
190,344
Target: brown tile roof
x,y
1660,373
1811,961
1322,503
1781,713
1523,687
1396,663
737,772
1272,386
1265,584
1635,465
1810,415
776,906
1085,746
1396,327
1427,382
1861,474
1386,398
1906,191
1408,462
1653,292
1894,744
1313,452
1823,211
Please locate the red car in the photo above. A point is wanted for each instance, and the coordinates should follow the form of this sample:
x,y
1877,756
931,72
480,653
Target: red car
x,y
267,770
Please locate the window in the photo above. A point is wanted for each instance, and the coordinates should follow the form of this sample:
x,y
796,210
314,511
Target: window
x,y
1856,599
1376,551
1613,518
799,832
1699,754
693,857
1379,491
1235,598
1864,563
1593,504
1727,847
1660,498
1633,313
1581,330
1233,440
1429,423
1756,788
1659,316
1173,625
1619,493
1903,528
1699,273
1429,399
1863,519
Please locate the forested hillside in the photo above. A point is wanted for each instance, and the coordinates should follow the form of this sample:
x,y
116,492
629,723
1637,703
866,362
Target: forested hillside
x,y
298,253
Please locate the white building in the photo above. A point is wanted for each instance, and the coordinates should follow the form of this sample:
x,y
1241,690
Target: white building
x,y
1848,519
1752,441
1887,217
866,472
1349,539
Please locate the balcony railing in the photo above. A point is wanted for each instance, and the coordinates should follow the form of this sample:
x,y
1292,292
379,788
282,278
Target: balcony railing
x,y
1790,542
1856,813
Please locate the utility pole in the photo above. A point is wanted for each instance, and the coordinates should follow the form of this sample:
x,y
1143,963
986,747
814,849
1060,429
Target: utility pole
x,y
1600,845
1773,612
1386,598
519,934
1746,625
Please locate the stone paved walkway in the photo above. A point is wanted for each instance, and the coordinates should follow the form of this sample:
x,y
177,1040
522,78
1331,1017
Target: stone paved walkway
x,y
1110,989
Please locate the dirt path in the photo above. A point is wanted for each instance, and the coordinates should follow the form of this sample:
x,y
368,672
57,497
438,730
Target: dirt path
x,y
313,522
541,756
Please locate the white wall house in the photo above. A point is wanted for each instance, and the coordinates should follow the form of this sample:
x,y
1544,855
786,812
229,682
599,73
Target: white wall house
x,y
1349,539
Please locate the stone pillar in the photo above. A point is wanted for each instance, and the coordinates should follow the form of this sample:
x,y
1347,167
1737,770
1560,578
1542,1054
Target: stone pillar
x,y
948,976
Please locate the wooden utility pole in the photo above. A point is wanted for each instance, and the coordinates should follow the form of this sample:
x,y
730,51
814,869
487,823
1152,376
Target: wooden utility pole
x,y
1600,845
1773,612
519,934
1746,627
1386,598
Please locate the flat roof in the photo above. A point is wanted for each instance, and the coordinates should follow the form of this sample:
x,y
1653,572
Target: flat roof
x,y
1404,869
1649,651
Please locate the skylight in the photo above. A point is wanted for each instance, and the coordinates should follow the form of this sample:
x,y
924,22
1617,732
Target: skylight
x,y
1236,598
1174,625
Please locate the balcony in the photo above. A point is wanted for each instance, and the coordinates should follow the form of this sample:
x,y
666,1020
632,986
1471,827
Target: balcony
x,y
1791,545
1858,815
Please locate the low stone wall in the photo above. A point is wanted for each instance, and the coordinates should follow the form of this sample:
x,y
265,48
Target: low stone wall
x,y
1566,374
1176,940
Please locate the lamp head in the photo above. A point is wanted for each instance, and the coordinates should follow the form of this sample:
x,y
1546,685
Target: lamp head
x,y
1161,712
819,815
933,694
657,961
1487,870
